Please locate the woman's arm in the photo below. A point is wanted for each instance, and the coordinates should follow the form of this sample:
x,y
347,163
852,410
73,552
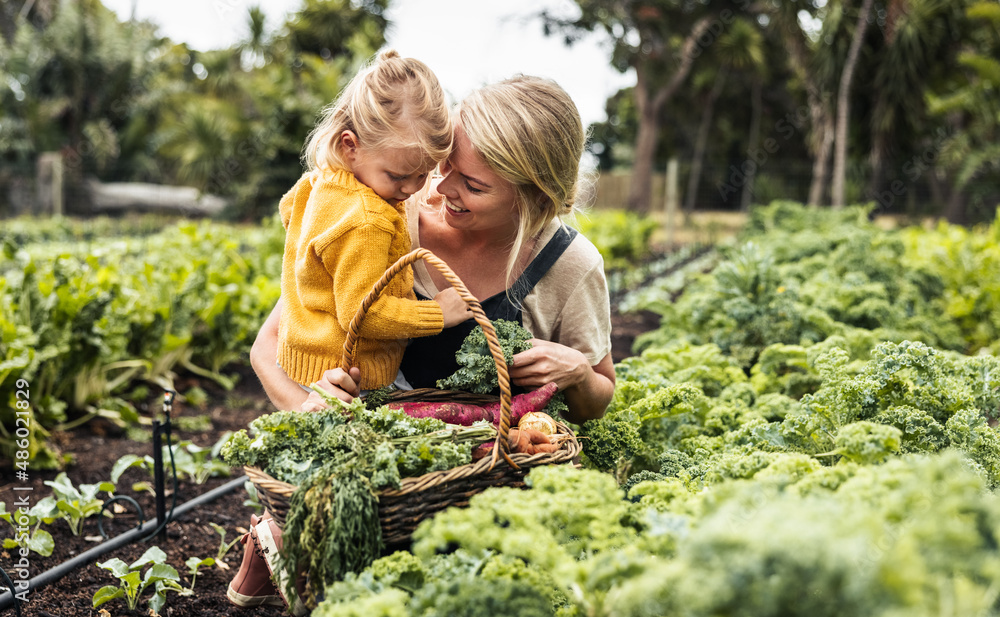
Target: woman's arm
x,y
588,389
279,387
285,393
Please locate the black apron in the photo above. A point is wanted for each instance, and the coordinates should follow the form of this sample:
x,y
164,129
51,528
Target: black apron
x,y
430,358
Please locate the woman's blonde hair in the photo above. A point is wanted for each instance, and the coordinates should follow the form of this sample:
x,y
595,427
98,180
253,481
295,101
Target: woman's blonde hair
x,y
528,130
392,102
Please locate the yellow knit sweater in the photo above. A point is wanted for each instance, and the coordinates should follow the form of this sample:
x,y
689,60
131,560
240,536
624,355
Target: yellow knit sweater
x,y
340,239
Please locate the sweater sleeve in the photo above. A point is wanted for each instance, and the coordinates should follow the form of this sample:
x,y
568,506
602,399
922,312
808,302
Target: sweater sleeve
x,y
349,260
287,203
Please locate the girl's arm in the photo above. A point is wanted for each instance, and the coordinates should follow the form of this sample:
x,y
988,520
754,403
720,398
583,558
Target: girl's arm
x,y
588,389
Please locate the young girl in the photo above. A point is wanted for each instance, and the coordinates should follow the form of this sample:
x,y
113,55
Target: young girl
x,y
346,224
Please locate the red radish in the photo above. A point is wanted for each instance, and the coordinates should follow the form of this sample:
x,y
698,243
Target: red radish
x,y
465,415
452,413
521,404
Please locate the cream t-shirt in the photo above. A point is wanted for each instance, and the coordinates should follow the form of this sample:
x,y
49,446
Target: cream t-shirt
x,y
570,305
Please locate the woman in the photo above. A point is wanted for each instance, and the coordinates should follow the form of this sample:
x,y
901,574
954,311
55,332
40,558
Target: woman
x,y
493,217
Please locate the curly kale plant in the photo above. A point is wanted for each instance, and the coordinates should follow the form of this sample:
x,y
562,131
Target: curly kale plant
x,y
477,369
339,458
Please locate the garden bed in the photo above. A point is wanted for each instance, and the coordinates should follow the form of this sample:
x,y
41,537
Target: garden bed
x,y
95,448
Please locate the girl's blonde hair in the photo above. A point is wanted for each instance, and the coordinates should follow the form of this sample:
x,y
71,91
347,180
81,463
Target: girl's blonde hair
x,y
392,102
528,130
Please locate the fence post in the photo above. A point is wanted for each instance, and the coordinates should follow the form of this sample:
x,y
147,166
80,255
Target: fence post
x,y
49,177
671,199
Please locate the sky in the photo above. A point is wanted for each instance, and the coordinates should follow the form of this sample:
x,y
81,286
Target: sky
x,y
467,43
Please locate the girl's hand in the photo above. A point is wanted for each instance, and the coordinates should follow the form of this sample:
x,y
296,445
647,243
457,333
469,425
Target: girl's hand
x,y
343,385
453,307
547,362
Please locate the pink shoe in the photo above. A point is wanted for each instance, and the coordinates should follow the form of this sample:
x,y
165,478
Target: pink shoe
x,y
267,536
252,585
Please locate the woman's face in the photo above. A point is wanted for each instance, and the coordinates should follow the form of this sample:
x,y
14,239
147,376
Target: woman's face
x,y
475,197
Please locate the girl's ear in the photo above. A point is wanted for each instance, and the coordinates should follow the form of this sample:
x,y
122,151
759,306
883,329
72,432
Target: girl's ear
x,y
349,145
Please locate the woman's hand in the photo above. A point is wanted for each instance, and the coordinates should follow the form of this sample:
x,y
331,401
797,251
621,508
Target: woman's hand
x,y
341,384
588,389
548,362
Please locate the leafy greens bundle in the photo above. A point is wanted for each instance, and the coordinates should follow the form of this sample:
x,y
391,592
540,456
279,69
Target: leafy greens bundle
x,y
339,458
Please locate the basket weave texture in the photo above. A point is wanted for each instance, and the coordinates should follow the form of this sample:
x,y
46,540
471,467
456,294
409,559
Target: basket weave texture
x,y
417,498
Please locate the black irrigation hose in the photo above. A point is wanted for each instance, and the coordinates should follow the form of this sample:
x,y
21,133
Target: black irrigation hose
x,y
10,585
57,572
138,510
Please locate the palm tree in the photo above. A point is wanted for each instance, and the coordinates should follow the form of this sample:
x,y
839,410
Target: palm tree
x,y
739,49
919,47
811,64
658,39
973,153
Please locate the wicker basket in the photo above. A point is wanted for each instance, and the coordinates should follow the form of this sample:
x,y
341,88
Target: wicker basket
x,y
417,498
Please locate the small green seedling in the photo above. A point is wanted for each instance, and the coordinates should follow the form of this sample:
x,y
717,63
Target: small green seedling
x,y
195,463
253,499
224,547
27,534
73,504
194,565
132,583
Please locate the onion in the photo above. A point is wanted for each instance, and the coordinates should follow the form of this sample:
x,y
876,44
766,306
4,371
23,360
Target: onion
x,y
538,421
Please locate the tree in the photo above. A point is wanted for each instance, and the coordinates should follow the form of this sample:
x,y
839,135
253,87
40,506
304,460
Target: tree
x,y
338,28
970,148
921,40
738,49
809,63
843,106
77,75
659,40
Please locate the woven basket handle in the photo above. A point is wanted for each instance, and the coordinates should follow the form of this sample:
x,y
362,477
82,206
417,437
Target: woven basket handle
x,y
501,445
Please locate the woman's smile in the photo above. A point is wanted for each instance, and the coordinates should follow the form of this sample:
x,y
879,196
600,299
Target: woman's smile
x,y
453,208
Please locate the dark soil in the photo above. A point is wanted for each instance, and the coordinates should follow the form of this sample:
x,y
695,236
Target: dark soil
x,y
97,445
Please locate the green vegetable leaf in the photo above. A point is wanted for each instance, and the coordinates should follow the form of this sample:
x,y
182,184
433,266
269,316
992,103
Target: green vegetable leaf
x,y
126,462
153,554
41,542
106,594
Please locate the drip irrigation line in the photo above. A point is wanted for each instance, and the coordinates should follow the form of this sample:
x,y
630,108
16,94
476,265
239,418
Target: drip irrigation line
x,y
10,585
138,511
57,572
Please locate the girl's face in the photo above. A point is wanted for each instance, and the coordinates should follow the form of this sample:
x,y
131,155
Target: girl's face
x,y
393,173
475,197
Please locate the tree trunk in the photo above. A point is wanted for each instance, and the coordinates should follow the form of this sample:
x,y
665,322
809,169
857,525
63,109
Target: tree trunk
x,y
640,190
823,125
756,110
954,211
876,163
701,142
843,106
650,104
820,140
